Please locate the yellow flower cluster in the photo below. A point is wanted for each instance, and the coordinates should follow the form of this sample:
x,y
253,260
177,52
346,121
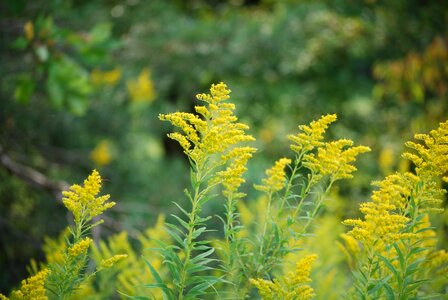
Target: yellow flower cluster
x,y
350,247
111,77
437,260
214,131
311,136
432,156
387,215
28,30
80,247
142,89
232,176
333,159
32,288
289,287
382,217
108,263
82,201
276,179
101,154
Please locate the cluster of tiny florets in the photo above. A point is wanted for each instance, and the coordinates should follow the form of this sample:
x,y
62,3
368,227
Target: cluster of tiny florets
x,y
334,159
276,177
431,158
386,217
292,286
82,200
80,247
311,136
32,288
109,262
214,130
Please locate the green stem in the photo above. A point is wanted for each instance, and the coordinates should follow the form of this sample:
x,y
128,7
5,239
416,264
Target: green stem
x,y
189,237
317,207
288,188
268,212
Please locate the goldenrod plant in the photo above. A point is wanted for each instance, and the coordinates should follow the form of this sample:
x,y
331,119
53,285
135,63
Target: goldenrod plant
x,y
392,252
289,214
212,142
398,256
85,205
67,267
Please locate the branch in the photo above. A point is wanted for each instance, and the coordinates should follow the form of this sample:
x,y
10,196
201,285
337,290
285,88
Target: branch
x,y
31,176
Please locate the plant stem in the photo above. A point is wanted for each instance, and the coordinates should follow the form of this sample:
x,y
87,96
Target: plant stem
x,y
189,237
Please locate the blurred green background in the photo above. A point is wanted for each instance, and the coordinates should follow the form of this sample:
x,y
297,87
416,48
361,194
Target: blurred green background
x,y
82,84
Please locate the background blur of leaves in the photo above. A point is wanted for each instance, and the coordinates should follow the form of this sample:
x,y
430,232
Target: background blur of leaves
x,y
82,83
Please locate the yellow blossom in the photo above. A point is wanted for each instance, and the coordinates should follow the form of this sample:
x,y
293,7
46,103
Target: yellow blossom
x,y
387,216
292,286
108,263
276,179
82,201
101,154
80,247
334,159
311,136
33,287
232,176
28,29
142,89
432,154
211,137
111,77
386,159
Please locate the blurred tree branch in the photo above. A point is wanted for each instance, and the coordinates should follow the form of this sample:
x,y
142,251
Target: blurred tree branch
x,y
31,176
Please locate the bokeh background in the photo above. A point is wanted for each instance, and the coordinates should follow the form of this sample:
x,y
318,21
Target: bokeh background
x,y
82,84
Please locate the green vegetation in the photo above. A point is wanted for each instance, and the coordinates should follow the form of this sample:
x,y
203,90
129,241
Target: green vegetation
x,y
83,84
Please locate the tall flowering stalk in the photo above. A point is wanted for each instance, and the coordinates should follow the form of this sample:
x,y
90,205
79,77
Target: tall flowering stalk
x,y
212,140
67,264
83,202
295,199
395,233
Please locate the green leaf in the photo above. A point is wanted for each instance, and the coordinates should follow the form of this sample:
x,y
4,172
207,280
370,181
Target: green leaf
x,y
392,268
400,256
181,222
181,209
24,89
20,43
389,292
202,256
198,232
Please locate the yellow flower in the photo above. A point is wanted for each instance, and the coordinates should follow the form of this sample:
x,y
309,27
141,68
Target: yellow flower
x,y
232,176
211,139
108,263
311,136
80,247
111,77
33,287
383,219
142,89
334,159
292,286
28,29
276,179
101,154
386,159
82,201
432,155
